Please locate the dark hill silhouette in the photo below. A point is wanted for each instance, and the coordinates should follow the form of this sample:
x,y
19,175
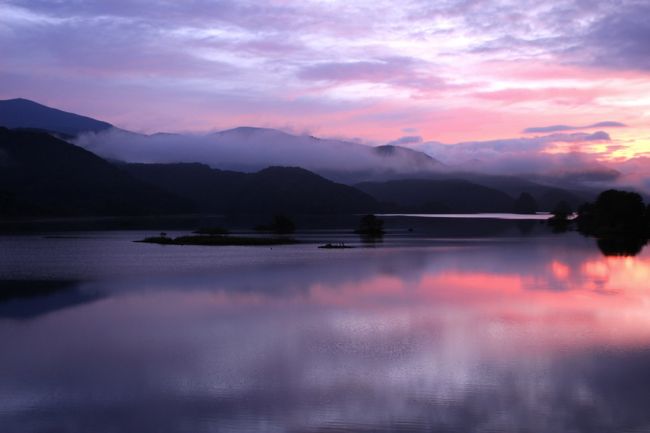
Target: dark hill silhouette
x,y
23,113
426,195
42,175
546,196
250,149
272,190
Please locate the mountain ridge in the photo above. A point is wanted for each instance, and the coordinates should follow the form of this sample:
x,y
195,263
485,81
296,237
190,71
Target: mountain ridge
x,y
25,113
251,149
244,148
271,190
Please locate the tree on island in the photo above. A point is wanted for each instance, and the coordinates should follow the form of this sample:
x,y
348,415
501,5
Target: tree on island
x,y
562,210
621,246
214,230
281,224
525,204
560,219
370,225
615,213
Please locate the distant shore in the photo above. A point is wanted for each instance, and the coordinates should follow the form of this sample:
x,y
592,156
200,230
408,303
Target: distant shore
x,y
220,240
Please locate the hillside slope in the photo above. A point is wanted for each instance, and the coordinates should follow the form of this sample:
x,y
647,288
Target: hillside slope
x,y
23,113
272,190
438,196
42,175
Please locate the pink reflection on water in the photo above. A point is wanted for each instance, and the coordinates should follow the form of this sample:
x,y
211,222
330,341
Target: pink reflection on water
x,y
382,337
560,305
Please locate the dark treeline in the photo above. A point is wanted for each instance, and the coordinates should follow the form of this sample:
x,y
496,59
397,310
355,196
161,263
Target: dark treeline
x,y
615,213
620,220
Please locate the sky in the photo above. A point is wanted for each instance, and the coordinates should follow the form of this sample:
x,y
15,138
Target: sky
x,y
557,79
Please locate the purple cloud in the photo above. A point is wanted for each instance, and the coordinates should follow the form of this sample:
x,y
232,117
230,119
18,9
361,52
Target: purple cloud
x,y
378,70
408,139
619,39
400,71
518,155
562,128
202,64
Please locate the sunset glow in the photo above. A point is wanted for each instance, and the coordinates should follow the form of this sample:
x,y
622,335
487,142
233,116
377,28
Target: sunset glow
x,y
452,71
324,216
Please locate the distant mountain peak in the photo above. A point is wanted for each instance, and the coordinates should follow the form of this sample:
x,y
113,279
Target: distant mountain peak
x,y
28,114
21,100
250,130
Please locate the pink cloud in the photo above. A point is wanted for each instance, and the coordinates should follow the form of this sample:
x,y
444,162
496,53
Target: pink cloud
x,y
562,96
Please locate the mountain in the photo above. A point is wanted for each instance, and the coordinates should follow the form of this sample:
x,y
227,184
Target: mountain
x,y
438,196
246,149
249,149
272,190
23,113
546,194
43,175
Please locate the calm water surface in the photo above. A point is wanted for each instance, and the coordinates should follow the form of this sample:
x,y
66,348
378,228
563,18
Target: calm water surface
x,y
517,334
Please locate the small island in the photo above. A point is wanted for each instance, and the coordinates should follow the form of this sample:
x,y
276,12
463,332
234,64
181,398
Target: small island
x,y
219,240
370,226
335,246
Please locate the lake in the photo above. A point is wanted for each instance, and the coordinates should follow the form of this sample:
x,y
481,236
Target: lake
x,y
523,332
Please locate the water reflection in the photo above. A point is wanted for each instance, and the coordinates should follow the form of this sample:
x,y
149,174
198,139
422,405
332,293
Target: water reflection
x,y
621,246
538,335
526,227
30,299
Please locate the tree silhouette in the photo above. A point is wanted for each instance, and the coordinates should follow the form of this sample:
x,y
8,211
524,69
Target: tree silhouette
x,y
525,204
562,210
621,246
614,213
560,219
370,225
281,224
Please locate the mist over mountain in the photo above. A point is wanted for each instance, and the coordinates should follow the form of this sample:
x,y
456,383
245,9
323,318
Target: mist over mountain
x,y
246,149
41,175
569,160
215,158
251,149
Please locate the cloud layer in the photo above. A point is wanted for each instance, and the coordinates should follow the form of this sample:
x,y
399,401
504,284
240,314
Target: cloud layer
x,y
562,128
455,71
252,149
572,159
